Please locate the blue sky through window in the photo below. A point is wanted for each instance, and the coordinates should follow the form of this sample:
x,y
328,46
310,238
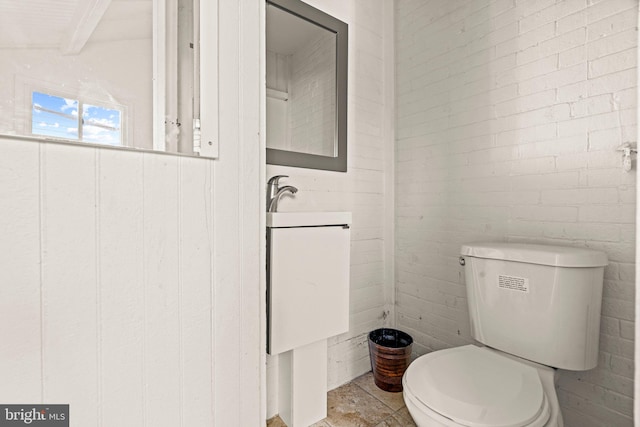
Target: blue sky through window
x,y
54,116
101,125
57,117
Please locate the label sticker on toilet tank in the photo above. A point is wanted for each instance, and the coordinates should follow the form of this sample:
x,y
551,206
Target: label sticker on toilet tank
x,y
513,283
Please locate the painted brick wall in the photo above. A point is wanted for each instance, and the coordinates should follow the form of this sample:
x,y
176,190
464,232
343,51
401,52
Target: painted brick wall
x,y
508,116
312,96
307,76
364,189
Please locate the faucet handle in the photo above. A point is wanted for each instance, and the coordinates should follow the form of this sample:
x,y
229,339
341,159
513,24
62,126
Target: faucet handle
x,y
274,179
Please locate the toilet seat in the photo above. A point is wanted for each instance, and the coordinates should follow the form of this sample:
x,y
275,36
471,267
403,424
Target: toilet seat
x,y
477,387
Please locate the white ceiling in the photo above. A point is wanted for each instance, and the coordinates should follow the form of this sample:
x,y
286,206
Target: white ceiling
x,y
46,23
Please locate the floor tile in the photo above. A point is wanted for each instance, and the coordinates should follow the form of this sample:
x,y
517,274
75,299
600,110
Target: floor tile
x,y
361,403
390,422
351,406
400,418
322,423
275,422
404,418
394,401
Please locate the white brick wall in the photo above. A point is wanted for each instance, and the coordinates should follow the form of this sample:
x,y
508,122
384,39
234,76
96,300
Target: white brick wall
x,y
508,116
312,97
308,77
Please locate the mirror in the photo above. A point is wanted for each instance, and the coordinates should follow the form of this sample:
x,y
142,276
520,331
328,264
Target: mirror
x,y
101,72
306,62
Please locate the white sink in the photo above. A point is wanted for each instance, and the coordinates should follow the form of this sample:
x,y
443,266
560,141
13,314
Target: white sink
x,y
307,219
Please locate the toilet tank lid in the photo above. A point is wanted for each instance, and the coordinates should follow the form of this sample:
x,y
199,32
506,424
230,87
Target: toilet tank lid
x,y
558,256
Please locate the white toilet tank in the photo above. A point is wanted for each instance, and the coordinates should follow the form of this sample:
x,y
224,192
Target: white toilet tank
x,y
538,302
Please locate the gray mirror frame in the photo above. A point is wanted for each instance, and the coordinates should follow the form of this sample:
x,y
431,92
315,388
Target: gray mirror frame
x,y
341,29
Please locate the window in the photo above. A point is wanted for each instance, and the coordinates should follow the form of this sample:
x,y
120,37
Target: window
x,y
72,119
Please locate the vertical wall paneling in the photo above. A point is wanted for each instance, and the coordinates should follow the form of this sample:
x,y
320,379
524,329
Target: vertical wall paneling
x,y
20,317
161,229
110,300
119,311
251,231
196,253
69,280
236,209
227,243
120,277
636,373
265,383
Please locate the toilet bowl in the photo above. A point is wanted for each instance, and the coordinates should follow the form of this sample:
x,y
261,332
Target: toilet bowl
x,y
480,387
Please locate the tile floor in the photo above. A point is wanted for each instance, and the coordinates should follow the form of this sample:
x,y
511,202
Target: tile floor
x,y
361,403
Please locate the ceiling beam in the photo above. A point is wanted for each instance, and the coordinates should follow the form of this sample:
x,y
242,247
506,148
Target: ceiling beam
x,y
85,20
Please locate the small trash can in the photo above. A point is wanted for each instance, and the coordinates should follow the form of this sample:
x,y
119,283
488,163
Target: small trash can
x,y
390,353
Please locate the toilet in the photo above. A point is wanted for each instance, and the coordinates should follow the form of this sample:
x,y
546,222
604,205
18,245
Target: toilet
x,y
533,309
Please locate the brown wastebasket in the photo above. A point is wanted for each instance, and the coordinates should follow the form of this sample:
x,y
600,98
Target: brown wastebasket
x,y
390,353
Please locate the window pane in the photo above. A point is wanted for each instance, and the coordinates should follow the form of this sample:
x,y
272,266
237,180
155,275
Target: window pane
x,y
101,125
54,116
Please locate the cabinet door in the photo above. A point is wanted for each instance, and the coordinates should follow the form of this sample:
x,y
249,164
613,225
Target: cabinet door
x,y
308,289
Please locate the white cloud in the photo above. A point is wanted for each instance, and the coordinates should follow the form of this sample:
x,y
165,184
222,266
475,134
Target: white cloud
x,y
69,103
42,125
100,135
86,110
92,130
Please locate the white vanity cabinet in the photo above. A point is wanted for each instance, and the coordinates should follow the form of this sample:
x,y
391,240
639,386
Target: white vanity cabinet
x,y
308,277
307,302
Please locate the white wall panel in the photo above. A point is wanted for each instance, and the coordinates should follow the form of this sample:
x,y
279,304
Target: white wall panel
x,y
120,322
20,290
227,244
196,251
250,173
161,258
120,277
70,287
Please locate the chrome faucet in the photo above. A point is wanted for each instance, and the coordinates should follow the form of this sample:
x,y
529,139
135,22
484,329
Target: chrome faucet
x,y
274,192
272,187
273,205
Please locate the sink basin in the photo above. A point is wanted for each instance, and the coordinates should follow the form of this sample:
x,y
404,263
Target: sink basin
x,y
307,219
